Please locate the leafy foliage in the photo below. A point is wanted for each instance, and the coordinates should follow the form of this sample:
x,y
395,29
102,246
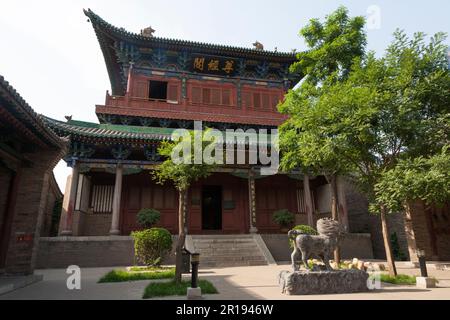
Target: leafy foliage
x,y
151,245
183,174
333,45
283,217
305,229
146,218
420,178
123,276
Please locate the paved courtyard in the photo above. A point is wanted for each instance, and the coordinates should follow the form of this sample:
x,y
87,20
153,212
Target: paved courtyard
x,y
258,282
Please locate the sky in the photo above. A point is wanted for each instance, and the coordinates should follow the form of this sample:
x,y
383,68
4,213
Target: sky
x,y
49,52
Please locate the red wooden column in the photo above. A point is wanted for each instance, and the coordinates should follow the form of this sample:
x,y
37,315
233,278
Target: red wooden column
x,y
67,229
252,201
116,201
308,200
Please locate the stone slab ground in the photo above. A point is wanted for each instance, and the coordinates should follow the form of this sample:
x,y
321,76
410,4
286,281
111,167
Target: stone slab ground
x,y
254,282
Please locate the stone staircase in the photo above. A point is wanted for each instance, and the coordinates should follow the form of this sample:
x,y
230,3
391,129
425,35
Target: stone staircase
x,y
229,250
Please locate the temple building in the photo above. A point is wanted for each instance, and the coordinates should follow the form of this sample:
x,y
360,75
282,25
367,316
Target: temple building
x,y
158,85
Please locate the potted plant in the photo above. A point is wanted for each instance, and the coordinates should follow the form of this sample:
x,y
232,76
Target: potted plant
x,y
284,218
147,218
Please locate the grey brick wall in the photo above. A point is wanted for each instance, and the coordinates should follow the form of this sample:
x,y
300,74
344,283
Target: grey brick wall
x,y
105,251
353,246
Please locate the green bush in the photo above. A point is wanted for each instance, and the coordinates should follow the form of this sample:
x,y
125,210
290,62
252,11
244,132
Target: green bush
x,y
147,218
151,245
283,217
305,229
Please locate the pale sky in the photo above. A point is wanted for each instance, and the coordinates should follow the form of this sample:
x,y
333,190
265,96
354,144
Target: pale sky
x,y
49,52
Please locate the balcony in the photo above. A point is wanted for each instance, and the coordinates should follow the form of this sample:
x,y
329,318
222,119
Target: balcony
x,y
186,110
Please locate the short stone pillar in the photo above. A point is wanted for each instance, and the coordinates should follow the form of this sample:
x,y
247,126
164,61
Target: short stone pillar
x,y
425,282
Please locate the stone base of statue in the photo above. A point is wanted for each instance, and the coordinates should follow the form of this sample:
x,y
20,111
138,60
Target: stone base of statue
x,y
323,282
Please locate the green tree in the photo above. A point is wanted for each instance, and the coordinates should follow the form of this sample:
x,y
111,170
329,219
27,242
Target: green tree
x,y
386,109
332,47
182,171
420,178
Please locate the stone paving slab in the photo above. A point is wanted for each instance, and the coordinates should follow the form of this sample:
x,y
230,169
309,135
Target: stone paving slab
x,y
11,283
234,283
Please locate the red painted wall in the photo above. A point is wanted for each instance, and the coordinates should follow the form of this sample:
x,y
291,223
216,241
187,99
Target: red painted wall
x,y
272,193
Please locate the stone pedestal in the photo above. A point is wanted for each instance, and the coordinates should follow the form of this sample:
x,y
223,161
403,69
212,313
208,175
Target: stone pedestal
x,y
323,282
194,293
425,282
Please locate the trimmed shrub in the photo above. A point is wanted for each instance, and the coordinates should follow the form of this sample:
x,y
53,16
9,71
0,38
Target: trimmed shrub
x,y
147,218
305,229
151,245
283,217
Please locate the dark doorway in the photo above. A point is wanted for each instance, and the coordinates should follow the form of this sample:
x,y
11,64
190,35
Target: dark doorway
x,y
212,208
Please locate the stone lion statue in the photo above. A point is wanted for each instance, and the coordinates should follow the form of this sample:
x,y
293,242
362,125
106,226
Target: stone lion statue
x,y
319,246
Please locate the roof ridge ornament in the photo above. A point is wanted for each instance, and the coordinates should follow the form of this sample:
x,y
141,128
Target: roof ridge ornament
x,y
258,45
147,32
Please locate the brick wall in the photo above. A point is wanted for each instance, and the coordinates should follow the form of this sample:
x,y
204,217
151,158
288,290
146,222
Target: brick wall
x,y
361,221
352,246
29,213
96,224
5,183
105,251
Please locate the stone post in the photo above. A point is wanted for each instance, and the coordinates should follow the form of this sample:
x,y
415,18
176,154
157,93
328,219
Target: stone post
x,y
116,201
308,200
67,229
252,201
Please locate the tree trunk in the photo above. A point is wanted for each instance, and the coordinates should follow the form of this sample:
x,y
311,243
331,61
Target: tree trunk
x,y
181,235
335,213
387,242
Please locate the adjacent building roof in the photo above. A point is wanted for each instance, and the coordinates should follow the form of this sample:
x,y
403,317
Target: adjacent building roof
x,y
16,113
107,133
110,134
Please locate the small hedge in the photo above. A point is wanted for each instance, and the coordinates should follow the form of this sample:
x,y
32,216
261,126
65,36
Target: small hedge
x,y
161,289
283,217
123,276
151,245
147,218
305,229
398,279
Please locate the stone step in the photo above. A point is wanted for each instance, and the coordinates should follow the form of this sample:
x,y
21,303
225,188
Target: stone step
x,y
230,258
224,245
233,251
233,264
228,250
222,236
223,241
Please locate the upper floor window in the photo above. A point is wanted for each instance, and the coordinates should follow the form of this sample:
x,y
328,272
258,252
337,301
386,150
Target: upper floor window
x,y
156,90
215,96
260,100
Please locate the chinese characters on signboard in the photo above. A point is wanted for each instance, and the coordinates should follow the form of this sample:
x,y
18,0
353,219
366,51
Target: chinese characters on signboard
x,y
213,65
